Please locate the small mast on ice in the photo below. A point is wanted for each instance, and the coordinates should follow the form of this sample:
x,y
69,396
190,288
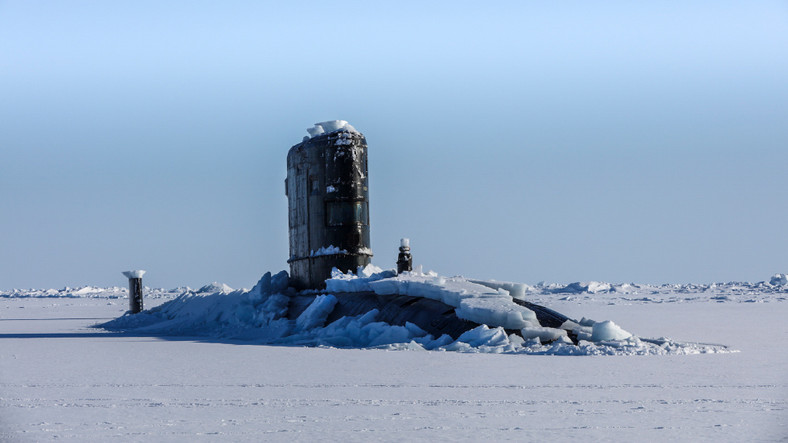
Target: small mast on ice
x,y
135,290
404,260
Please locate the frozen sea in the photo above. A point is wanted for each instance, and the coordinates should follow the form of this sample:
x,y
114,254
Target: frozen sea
x,y
61,379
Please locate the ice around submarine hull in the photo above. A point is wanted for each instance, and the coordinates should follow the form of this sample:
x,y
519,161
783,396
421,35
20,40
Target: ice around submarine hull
x,y
434,317
376,308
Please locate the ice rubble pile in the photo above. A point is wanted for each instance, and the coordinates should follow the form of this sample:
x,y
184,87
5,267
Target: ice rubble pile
x,y
260,315
776,285
779,280
774,290
474,302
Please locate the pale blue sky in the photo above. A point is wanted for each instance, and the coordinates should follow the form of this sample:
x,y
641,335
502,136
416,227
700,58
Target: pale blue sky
x,y
615,141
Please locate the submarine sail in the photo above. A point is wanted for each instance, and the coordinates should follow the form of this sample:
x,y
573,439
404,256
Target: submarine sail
x,y
328,204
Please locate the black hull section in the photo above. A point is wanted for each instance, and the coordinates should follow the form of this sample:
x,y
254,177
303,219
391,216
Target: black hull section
x,y
430,315
546,316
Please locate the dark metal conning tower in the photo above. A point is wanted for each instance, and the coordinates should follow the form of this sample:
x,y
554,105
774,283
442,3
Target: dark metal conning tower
x,y
328,204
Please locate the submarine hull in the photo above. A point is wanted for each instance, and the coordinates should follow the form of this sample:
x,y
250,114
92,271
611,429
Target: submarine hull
x,y
434,317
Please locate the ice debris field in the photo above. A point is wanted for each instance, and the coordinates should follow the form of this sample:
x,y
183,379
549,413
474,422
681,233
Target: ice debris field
x,y
260,316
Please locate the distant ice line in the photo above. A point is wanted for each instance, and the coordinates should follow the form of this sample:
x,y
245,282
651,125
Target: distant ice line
x,y
777,285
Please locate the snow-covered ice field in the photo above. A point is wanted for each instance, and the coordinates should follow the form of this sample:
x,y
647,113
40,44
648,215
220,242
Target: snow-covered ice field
x,y
60,379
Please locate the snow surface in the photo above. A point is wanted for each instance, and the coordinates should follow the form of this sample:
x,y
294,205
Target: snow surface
x,y
61,379
330,126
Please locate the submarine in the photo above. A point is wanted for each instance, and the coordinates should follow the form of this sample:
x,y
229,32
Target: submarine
x,y
327,189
